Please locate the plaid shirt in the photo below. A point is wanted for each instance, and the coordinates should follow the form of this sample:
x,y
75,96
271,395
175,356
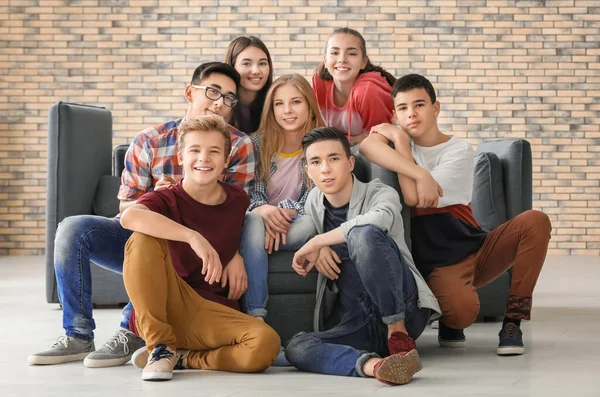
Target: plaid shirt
x,y
154,152
258,193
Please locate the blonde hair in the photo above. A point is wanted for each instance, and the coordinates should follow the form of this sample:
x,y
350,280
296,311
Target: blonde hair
x,y
204,123
271,133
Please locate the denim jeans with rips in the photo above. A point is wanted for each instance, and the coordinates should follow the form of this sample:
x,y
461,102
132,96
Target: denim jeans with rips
x,y
384,292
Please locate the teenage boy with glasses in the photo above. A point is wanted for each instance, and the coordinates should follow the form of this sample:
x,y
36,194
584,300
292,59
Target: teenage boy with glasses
x,y
214,94
150,164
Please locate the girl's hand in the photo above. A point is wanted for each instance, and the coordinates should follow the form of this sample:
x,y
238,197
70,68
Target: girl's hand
x,y
274,217
356,139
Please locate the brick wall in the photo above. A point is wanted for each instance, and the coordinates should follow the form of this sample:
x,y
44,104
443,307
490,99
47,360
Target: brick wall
x,y
503,68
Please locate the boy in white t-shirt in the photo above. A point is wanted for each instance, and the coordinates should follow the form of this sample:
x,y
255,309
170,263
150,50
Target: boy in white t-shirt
x,y
452,252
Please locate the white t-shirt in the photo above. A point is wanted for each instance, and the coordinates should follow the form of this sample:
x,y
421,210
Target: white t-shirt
x,y
451,164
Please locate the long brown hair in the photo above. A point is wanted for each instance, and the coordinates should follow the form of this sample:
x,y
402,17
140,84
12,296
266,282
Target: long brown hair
x,y
271,133
236,46
323,73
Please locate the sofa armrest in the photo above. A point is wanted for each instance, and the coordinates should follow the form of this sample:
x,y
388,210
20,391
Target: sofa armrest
x,y
79,153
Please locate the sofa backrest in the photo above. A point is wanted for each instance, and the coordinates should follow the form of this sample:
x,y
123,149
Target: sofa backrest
x,y
119,159
79,147
503,186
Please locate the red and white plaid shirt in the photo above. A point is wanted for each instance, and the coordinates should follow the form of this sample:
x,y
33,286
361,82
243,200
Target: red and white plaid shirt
x,y
153,152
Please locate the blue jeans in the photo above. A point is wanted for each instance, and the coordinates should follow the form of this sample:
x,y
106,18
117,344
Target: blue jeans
x,y
256,258
386,293
80,239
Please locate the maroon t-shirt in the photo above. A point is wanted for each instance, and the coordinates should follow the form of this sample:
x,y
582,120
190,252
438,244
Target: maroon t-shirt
x,y
220,224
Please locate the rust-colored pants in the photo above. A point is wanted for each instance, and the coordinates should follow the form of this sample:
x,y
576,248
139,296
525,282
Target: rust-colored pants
x,y
169,311
522,243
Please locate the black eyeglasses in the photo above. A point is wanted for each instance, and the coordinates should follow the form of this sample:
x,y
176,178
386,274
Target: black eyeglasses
x,y
215,95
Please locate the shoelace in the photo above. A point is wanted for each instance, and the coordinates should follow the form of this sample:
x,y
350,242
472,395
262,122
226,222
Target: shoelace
x,y
160,352
118,337
179,364
511,330
62,340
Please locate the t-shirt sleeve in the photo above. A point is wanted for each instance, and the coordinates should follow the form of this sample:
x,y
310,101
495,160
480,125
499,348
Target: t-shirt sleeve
x,y
159,201
454,173
136,178
375,106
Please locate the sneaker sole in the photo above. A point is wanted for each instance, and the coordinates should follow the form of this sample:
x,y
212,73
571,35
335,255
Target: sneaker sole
x,y
510,350
105,362
52,360
140,358
157,376
399,370
452,343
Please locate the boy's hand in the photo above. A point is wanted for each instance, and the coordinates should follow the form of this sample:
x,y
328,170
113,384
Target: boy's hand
x,y
327,264
211,263
389,131
235,274
164,181
274,217
428,191
356,139
308,252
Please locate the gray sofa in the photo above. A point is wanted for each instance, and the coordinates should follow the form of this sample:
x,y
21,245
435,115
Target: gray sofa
x,y
83,178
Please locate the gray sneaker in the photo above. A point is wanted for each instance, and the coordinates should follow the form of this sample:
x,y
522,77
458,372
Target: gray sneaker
x,y
64,350
116,351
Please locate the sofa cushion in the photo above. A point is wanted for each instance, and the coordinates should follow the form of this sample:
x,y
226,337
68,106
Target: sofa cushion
x,y
106,202
284,280
489,207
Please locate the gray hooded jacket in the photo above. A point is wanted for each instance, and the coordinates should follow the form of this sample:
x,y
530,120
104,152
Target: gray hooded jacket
x,y
376,204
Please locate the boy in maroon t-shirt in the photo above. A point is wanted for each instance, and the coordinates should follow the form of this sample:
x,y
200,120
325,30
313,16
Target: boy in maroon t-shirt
x,y
173,268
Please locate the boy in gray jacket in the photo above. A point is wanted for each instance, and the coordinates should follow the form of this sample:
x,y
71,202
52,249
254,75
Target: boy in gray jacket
x,y
366,272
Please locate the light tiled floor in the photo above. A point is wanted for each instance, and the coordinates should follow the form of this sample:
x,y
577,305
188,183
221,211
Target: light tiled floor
x,y
562,358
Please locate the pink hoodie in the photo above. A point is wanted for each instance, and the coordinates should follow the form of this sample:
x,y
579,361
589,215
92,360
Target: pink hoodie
x,y
370,103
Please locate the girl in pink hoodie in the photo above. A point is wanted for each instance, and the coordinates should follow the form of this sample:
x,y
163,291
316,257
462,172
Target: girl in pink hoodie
x,y
353,94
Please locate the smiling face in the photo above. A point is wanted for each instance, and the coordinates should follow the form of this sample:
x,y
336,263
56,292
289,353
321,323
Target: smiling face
x,y
253,66
200,105
344,58
329,167
203,157
415,113
290,108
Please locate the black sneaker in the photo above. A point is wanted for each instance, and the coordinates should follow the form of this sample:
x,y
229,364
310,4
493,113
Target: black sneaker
x,y
451,337
511,341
